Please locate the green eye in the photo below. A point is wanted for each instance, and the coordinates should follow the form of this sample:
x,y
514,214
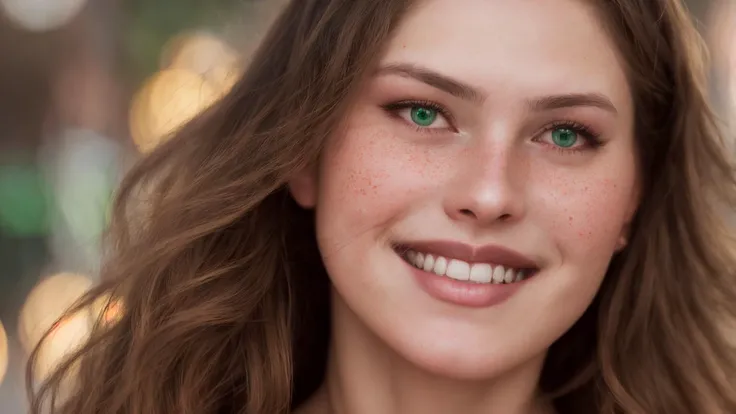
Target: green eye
x,y
423,116
563,137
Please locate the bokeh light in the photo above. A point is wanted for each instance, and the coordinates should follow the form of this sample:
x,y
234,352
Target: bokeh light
x,y
65,338
3,352
83,167
206,55
166,102
41,15
24,201
109,310
197,69
45,305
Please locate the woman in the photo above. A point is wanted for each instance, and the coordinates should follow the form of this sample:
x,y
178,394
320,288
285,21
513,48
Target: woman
x,y
431,207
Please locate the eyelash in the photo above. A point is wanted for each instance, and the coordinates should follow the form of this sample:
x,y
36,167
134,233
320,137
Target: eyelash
x,y
394,108
592,138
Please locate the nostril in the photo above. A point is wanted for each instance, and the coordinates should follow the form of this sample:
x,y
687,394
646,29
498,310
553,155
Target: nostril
x,y
468,213
471,214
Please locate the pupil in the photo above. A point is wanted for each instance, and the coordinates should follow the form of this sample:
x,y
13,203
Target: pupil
x,y
564,137
423,116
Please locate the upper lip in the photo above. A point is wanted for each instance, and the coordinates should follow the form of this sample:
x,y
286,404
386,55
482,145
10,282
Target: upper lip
x,y
488,253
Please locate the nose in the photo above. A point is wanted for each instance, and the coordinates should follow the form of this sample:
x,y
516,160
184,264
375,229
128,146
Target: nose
x,y
488,187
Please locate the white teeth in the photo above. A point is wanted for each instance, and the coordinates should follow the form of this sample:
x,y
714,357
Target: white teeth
x,y
519,276
481,272
440,266
498,274
458,270
464,271
428,263
509,276
419,260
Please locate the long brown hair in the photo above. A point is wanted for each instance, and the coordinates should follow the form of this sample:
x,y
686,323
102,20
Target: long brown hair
x,y
225,297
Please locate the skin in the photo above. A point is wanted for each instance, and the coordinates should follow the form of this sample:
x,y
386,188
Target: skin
x,y
488,173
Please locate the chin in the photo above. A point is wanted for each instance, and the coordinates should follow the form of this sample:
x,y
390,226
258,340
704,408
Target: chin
x,y
458,352
458,364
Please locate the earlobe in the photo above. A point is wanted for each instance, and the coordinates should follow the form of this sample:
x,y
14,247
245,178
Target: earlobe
x,y
623,239
303,188
621,243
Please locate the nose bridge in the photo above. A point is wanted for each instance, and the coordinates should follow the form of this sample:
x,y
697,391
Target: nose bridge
x,y
489,175
488,184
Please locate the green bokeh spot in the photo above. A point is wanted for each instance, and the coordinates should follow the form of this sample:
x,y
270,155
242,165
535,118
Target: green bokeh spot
x,y
24,201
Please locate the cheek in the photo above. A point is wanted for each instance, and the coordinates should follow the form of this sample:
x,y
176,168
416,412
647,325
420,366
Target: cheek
x,y
369,177
586,215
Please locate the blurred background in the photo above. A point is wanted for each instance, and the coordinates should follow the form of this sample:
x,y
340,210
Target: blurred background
x,y
89,86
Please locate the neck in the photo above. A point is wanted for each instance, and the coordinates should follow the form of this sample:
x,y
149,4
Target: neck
x,y
364,376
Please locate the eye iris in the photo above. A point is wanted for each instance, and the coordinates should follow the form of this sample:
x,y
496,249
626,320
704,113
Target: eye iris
x,y
564,137
423,116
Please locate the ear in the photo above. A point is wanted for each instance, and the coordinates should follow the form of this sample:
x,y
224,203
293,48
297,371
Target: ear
x,y
621,243
303,187
632,208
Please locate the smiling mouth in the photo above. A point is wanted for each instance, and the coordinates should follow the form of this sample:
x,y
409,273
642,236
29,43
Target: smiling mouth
x,y
480,273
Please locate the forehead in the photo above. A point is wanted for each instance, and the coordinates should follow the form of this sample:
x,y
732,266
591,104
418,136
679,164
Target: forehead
x,y
525,46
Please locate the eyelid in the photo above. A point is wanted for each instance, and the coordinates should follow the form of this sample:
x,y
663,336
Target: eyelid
x,y
582,128
591,137
394,107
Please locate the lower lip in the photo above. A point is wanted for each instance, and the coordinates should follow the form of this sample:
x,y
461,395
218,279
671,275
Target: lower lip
x,y
468,294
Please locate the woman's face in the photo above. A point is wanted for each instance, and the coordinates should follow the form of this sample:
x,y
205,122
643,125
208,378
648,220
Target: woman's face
x,y
469,207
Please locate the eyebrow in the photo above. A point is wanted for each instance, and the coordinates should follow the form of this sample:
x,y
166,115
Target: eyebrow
x,y
552,102
469,93
437,80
